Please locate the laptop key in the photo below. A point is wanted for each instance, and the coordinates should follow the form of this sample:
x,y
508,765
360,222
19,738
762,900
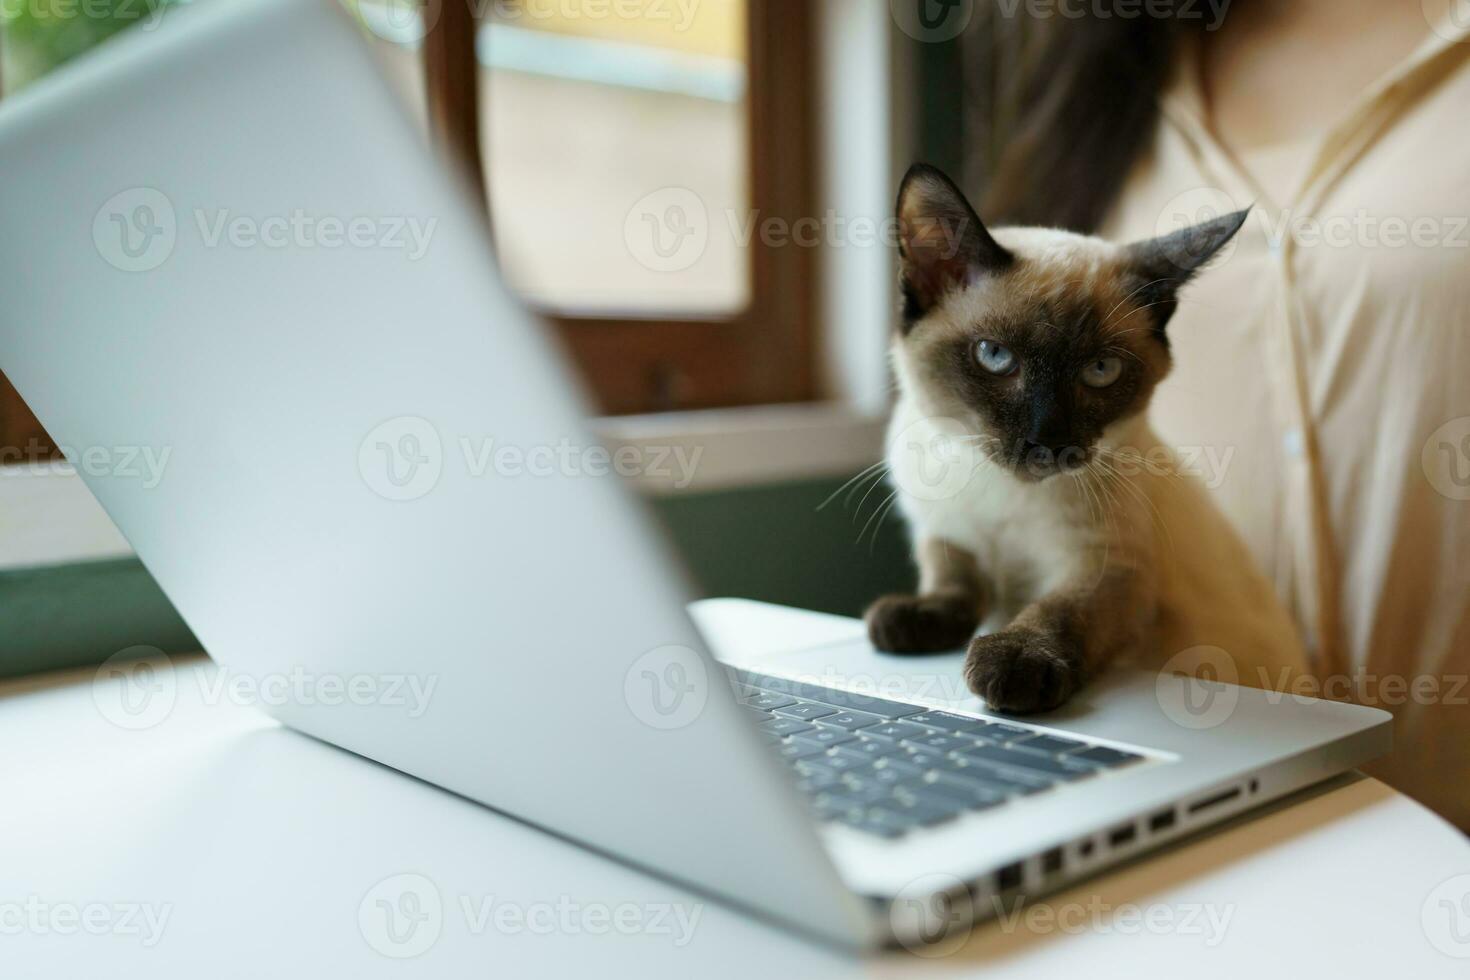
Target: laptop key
x,y
829,736
815,781
768,702
782,727
973,793
797,747
853,720
895,731
805,711
870,750
829,695
1050,744
1012,780
939,743
857,792
883,823
902,766
923,807
1105,756
830,762
949,722
999,732
1028,761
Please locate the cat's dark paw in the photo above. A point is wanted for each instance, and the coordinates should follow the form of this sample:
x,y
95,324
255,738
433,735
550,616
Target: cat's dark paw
x,y
921,624
1021,670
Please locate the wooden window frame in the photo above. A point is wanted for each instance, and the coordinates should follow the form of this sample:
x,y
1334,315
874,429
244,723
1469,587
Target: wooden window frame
x,y
764,354
639,363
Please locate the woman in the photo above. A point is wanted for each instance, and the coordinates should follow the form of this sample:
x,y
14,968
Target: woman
x,y
1322,368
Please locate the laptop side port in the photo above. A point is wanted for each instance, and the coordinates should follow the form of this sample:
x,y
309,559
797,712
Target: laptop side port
x,y
1120,836
1224,796
1162,820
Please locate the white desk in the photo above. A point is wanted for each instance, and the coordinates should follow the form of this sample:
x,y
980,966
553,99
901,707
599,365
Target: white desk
x,y
254,848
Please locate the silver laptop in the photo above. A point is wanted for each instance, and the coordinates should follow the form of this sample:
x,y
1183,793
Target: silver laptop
x,y
226,244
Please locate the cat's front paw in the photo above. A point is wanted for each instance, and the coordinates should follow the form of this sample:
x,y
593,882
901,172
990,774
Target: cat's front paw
x,y
921,624
1021,670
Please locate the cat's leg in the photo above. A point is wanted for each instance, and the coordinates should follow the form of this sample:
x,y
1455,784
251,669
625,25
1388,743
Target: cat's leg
x,y
1057,642
945,613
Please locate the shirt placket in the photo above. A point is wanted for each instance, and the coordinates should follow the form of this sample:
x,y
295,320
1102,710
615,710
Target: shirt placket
x,y
1309,565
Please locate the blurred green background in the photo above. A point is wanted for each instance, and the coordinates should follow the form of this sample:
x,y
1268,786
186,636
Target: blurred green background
x,y
40,35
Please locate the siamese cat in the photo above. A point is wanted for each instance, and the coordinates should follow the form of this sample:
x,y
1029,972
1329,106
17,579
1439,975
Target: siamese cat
x,y
1039,501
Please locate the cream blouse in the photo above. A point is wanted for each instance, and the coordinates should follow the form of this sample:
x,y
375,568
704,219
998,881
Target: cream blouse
x,y
1322,386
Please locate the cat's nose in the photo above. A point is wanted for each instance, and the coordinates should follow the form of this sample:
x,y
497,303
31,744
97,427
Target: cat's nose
x,y
1048,456
1041,450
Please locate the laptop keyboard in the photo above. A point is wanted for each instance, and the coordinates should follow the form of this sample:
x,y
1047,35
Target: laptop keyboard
x,y
887,768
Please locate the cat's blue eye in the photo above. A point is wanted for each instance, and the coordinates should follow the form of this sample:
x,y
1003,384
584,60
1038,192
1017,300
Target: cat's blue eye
x,y
1102,372
995,358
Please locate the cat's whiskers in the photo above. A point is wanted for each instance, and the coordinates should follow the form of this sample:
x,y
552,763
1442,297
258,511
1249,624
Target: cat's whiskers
x,y
867,471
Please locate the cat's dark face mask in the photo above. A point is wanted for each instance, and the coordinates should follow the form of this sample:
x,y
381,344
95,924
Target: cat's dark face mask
x,y
1044,348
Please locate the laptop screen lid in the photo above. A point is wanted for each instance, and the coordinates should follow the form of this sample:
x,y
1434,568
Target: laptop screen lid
x,y
227,252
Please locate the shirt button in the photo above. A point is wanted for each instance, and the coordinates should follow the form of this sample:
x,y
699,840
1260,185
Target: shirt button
x,y
1293,443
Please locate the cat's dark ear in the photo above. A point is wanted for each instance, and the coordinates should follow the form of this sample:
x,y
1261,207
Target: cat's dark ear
x,y
1161,266
942,243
